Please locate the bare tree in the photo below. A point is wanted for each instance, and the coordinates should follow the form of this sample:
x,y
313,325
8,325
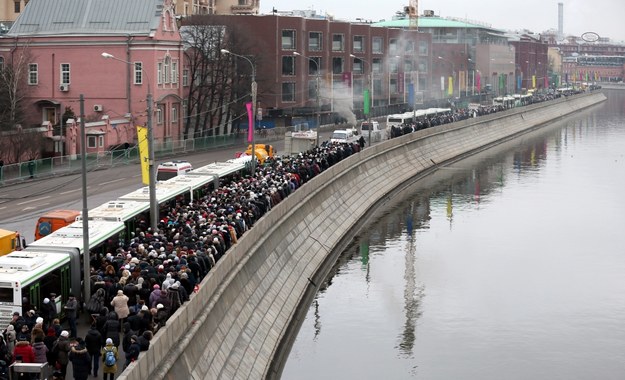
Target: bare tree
x,y
219,86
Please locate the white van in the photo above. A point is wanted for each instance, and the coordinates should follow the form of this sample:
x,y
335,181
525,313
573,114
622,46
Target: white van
x,y
343,136
372,127
171,169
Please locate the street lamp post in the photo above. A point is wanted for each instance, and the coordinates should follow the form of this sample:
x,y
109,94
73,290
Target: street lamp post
x,y
318,99
453,71
151,175
254,89
370,95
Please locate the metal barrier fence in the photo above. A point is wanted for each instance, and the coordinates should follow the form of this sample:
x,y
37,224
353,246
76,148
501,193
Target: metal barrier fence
x,y
62,165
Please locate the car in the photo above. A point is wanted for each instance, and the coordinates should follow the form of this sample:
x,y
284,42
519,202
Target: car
x,y
343,136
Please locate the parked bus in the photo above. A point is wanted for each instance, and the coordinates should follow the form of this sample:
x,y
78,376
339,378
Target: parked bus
x,y
53,220
171,169
397,120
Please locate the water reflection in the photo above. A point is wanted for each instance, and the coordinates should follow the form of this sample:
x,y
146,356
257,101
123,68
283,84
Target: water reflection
x,y
505,265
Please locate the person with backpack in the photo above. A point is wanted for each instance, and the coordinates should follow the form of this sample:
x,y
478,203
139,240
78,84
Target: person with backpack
x,y
109,359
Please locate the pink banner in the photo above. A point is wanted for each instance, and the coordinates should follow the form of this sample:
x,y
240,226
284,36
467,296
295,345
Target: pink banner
x,y
250,121
478,81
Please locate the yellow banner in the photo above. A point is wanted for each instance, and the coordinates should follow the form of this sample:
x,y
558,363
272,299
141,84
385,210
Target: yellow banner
x,y
142,138
533,81
450,88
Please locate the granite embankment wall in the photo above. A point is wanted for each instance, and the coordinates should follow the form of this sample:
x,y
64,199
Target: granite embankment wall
x,y
239,325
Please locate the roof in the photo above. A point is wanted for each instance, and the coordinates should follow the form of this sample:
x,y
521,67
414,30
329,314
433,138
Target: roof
x,y
432,22
43,17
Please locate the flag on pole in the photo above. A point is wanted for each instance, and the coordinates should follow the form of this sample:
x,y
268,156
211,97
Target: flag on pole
x,y
142,139
250,121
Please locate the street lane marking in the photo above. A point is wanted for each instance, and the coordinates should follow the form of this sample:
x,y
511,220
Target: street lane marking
x,y
33,207
34,200
73,191
113,181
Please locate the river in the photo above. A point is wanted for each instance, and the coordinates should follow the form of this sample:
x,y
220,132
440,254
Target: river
x,y
506,265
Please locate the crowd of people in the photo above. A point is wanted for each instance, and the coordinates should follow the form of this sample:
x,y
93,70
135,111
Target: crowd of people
x,y
139,281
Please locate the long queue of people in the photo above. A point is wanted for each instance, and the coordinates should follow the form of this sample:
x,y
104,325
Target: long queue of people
x,y
458,114
138,283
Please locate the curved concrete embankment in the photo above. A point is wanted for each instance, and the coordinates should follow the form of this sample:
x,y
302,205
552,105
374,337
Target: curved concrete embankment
x,y
241,320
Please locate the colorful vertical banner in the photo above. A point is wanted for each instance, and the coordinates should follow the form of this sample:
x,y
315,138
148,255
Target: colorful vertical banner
x,y
519,83
442,83
367,100
479,82
144,155
400,82
533,81
546,82
250,121
450,87
411,94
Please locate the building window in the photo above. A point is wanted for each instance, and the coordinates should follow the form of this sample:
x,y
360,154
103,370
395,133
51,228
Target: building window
x,y
288,91
358,66
166,72
314,41
392,46
288,65
423,66
288,39
159,115
376,45
138,73
174,114
314,66
393,65
185,77
376,65
338,42
159,74
423,48
184,108
65,73
410,47
337,65
359,44
16,7
174,72
312,89
33,74
95,141
408,66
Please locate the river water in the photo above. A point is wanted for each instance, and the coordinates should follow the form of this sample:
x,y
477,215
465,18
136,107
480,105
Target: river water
x,y
507,265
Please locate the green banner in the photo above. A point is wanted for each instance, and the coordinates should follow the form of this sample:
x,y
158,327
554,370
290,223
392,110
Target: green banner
x,y
367,100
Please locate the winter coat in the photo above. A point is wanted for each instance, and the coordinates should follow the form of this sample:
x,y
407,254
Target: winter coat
x,y
120,303
112,369
40,350
112,328
93,342
81,362
25,350
63,347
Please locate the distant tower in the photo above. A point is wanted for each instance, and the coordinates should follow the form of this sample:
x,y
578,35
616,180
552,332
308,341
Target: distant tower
x,y
560,20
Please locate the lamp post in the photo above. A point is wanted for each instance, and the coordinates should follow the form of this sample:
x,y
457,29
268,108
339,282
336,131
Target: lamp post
x,y
453,71
369,127
225,51
318,99
151,175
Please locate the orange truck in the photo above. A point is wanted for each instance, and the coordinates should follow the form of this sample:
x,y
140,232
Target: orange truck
x,y
53,220
9,241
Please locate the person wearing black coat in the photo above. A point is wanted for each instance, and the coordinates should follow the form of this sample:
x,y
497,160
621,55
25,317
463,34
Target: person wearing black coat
x,y
94,343
81,360
112,328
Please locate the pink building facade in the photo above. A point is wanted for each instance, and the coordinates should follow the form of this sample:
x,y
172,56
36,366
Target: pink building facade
x,y
60,49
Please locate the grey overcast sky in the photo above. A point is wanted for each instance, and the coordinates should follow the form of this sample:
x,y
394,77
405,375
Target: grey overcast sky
x,y
605,17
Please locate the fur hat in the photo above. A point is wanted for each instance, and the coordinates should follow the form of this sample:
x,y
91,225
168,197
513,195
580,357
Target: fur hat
x,y
64,333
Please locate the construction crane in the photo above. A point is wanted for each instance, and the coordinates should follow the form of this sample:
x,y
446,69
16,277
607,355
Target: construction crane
x,y
412,12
